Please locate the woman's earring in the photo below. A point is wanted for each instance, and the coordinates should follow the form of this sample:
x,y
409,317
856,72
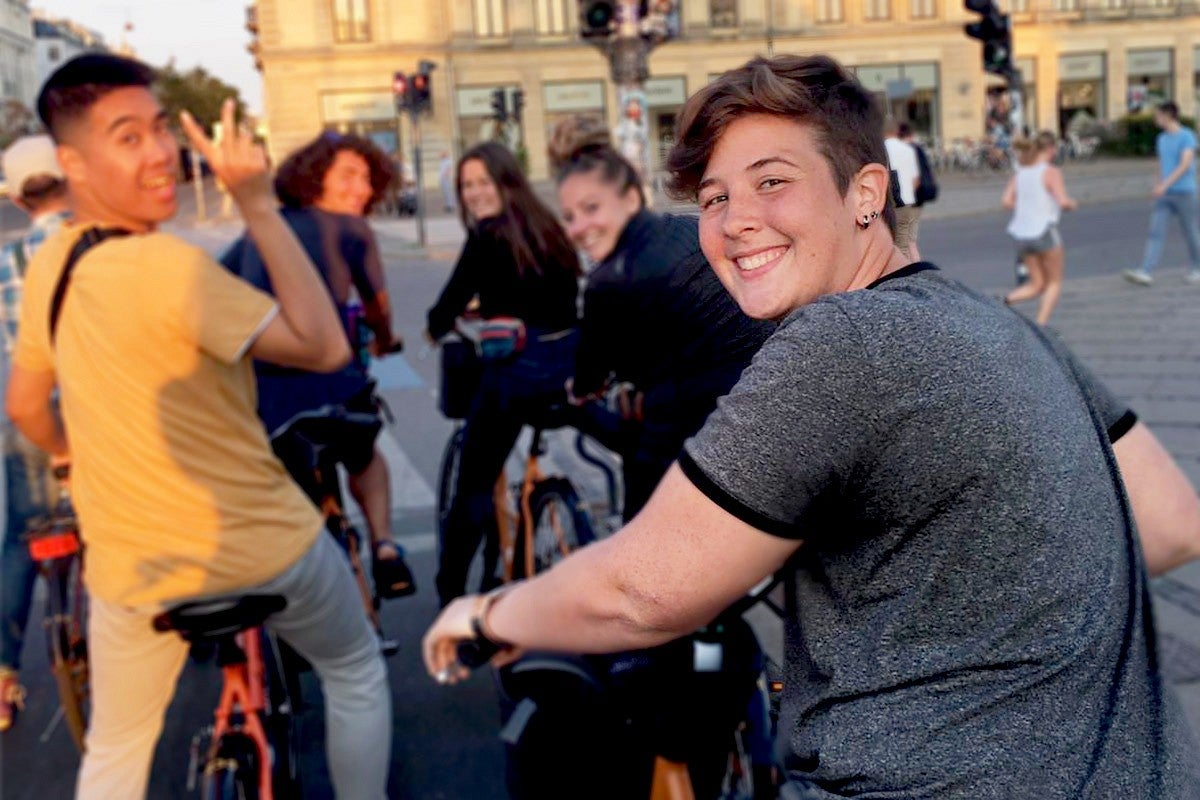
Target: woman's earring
x,y
867,219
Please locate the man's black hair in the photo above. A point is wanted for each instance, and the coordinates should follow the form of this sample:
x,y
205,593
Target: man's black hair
x,y
77,84
1170,109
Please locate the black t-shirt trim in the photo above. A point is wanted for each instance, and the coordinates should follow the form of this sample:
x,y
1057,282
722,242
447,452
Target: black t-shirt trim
x,y
904,272
1122,426
734,506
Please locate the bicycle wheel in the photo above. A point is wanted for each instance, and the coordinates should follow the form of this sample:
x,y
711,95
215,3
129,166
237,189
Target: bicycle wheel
x,y
66,626
560,526
232,771
281,721
448,477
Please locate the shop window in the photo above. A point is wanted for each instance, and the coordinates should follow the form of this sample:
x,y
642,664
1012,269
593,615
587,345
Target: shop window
x,y
723,13
922,9
555,17
875,10
351,21
830,11
489,18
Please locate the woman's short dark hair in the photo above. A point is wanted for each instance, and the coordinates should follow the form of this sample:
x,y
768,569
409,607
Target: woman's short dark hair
x,y
75,86
532,233
581,145
300,179
813,90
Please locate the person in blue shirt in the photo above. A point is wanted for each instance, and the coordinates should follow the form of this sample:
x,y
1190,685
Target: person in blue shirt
x,y
1174,193
40,190
326,189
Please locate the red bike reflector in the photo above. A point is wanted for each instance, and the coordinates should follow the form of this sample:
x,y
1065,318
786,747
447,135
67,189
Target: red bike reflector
x,y
55,545
776,687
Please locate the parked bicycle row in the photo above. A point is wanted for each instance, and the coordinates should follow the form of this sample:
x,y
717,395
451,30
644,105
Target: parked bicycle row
x,y
806,419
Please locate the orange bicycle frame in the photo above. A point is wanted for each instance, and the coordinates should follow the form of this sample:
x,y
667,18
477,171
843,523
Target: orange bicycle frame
x,y
243,689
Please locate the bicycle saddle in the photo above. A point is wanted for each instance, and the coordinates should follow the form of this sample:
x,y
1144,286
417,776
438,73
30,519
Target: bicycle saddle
x,y
325,432
215,619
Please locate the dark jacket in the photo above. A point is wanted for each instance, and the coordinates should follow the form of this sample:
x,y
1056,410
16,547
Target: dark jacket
x,y
656,315
545,299
344,251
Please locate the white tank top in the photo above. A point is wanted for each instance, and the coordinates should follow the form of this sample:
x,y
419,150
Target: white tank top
x,y
1036,209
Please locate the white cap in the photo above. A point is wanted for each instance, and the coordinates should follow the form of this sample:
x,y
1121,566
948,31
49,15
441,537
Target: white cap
x,y
29,157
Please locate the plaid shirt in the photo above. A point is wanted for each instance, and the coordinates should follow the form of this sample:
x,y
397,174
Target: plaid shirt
x,y
14,257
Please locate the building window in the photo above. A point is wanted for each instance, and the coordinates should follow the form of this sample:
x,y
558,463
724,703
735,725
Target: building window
x,y
830,11
1018,6
922,9
555,16
53,54
351,21
1114,5
877,10
1066,5
723,13
490,19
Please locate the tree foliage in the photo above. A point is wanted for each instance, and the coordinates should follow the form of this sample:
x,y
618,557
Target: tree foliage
x,y
196,91
15,121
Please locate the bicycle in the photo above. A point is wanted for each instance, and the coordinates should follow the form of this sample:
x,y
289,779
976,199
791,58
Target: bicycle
x,y
541,518
312,445
727,665
56,549
253,742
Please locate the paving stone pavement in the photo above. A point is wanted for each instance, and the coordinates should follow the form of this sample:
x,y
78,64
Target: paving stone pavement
x,y
1144,343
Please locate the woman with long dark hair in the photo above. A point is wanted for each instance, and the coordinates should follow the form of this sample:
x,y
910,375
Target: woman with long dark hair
x,y
518,263
327,188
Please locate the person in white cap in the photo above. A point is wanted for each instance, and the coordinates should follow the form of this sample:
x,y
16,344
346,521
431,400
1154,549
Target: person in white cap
x,y
39,189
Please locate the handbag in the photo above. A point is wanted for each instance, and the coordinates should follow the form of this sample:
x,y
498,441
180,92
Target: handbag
x,y
501,338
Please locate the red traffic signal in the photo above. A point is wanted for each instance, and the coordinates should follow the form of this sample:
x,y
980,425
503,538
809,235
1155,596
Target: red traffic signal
x,y
400,91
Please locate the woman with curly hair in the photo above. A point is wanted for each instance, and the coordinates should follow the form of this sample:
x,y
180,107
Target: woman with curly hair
x,y
327,187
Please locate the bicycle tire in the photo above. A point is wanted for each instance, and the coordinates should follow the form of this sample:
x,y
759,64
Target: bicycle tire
x,y
560,526
448,477
66,626
232,770
282,718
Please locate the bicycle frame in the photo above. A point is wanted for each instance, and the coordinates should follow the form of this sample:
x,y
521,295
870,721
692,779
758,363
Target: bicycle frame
x,y
506,523
56,548
243,690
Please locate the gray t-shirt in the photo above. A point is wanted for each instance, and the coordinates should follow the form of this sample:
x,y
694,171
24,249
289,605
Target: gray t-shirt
x,y
971,614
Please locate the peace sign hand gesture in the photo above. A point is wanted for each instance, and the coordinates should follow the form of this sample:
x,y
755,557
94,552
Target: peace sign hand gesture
x,y
236,160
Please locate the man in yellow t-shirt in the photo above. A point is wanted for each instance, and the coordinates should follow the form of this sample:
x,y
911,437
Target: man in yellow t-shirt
x,y
178,493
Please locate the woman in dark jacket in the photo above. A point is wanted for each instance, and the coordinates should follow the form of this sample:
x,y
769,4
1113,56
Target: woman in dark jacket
x,y
518,264
655,315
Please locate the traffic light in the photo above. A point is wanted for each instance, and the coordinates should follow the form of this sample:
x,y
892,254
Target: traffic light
x,y
597,18
400,91
499,105
995,31
421,99
518,104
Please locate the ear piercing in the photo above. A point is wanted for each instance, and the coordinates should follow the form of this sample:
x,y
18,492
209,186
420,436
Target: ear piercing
x,y
867,219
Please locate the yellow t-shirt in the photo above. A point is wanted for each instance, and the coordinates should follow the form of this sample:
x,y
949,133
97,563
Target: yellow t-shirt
x,y
177,489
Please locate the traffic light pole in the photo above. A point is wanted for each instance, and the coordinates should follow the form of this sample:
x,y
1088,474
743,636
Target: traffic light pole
x,y
627,53
415,116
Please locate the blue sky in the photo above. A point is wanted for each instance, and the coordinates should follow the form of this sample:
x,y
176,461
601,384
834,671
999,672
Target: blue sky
x,y
208,33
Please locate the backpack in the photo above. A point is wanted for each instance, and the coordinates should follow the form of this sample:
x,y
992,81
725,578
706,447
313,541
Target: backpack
x,y
927,191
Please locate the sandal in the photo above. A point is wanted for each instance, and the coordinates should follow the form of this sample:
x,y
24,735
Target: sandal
x,y
390,572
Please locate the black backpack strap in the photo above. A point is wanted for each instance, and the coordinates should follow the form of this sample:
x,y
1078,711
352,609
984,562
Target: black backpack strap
x,y
90,238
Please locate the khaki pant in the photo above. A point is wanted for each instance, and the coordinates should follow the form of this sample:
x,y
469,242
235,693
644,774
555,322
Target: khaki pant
x,y
908,219
134,671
